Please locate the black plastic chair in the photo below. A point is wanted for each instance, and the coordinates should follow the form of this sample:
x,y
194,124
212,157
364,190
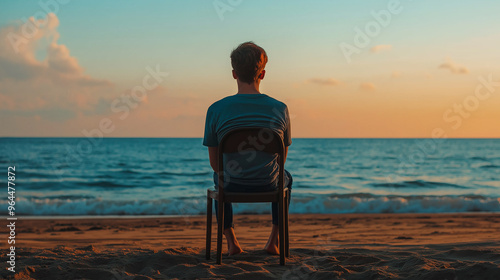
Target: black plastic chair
x,y
235,141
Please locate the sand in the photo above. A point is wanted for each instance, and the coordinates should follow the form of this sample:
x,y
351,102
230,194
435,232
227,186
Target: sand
x,y
350,246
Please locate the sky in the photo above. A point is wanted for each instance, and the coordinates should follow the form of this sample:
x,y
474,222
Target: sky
x,y
346,69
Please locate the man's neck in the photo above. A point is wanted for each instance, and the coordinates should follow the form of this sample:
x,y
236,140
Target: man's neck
x,y
244,88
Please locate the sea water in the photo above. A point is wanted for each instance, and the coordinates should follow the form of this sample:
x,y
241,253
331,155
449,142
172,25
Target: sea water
x,y
170,176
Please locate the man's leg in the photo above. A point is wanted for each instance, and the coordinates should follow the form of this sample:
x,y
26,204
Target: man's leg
x,y
273,241
228,214
232,243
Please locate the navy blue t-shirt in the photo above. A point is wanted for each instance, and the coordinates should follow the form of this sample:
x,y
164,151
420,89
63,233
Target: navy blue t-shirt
x,y
249,110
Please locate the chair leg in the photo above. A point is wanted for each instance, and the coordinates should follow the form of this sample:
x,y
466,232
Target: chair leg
x,y
287,237
220,229
209,227
281,225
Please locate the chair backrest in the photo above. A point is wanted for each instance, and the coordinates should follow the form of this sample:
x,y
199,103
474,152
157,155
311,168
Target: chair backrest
x,y
247,139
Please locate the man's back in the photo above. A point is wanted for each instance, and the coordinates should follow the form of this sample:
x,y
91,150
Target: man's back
x,y
248,110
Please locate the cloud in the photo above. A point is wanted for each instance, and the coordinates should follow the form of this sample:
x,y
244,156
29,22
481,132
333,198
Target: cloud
x,y
367,86
453,67
60,60
324,81
380,48
54,114
396,74
54,88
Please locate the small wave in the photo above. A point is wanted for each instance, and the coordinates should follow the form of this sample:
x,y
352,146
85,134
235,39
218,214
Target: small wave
x,y
489,166
363,167
131,175
147,177
62,197
355,177
49,185
418,183
105,176
36,174
104,184
183,174
128,171
352,195
192,159
300,186
332,204
479,158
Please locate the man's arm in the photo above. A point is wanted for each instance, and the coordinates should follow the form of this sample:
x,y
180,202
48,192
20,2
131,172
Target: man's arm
x,y
213,153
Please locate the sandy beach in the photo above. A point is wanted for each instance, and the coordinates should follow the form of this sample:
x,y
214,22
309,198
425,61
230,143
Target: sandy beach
x,y
350,246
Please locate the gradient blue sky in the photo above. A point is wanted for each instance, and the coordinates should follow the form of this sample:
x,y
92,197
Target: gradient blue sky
x,y
399,92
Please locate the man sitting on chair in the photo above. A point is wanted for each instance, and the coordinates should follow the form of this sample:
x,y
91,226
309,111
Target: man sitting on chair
x,y
248,108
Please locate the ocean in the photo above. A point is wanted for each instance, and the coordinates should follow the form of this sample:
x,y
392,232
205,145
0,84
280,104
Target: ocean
x,y
169,176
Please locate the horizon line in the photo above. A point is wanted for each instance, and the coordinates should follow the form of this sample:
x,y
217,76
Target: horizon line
x,y
177,137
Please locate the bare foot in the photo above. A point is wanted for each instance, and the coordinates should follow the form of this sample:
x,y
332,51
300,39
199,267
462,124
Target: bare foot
x,y
272,249
233,246
272,246
234,250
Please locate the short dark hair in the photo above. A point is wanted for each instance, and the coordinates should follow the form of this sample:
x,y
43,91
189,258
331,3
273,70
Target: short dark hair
x,y
248,61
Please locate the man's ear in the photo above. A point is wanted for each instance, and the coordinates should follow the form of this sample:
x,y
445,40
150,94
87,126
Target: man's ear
x,y
234,75
262,74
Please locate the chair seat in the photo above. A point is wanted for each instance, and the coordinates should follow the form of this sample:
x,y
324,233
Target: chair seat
x,y
248,197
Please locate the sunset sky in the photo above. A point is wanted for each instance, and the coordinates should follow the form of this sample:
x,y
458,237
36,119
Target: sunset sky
x,y
413,66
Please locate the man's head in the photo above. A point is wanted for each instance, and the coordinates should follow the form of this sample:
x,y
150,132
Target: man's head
x,y
248,61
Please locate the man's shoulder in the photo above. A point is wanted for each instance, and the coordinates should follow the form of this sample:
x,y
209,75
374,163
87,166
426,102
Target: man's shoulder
x,y
231,99
276,101
220,102
276,105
